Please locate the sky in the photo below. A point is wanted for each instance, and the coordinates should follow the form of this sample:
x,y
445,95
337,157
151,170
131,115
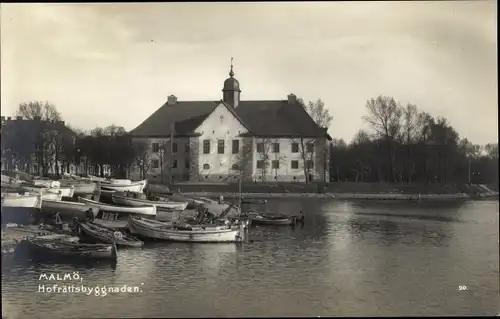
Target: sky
x,y
103,64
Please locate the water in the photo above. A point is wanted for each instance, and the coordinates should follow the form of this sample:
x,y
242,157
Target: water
x,y
349,259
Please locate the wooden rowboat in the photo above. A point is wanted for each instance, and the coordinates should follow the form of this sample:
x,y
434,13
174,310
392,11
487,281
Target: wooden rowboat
x,y
132,187
168,231
59,250
141,210
66,210
107,235
20,208
266,219
137,202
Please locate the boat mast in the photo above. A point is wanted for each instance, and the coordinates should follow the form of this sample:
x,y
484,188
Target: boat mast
x,y
172,126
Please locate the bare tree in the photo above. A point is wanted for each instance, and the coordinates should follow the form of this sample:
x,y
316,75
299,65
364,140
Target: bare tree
x,y
277,158
385,119
38,109
243,160
142,156
263,155
410,134
321,116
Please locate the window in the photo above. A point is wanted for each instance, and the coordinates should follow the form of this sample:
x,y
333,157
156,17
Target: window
x,y
206,166
187,148
235,167
174,148
155,163
174,164
156,147
276,147
260,164
275,164
310,147
220,147
295,147
309,164
206,146
236,146
295,165
186,163
260,147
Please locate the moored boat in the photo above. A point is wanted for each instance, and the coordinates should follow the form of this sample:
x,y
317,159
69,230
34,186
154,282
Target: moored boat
x,y
132,187
137,202
59,250
107,235
65,191
85,188
141,210
46,183
67,210
267,219
52,196
20,208
170,232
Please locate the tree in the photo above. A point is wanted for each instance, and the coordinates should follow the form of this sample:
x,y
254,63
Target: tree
x,y
263,150
321,116
142,156
50,132
243,160
384,117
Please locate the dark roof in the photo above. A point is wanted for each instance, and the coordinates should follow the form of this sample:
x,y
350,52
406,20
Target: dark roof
x,y
261,118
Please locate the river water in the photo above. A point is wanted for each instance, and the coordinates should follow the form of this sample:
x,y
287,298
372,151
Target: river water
x,y
348,259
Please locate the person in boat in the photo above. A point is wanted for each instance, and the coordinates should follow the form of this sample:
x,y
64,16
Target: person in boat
x,y
89,215
57,218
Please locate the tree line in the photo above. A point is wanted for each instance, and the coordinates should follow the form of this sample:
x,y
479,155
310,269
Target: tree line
x,y
403,145
406,145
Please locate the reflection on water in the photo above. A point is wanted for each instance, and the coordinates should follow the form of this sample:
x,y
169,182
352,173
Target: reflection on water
x,y
348,259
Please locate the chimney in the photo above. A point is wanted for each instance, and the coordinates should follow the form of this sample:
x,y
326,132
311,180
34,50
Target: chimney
x,y
172,100
37,118
292,98
19,118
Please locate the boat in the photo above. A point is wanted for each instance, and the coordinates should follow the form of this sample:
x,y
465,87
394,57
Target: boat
x,y
41,249
138,199
46,183
253,201
107,235
267,219
170,232
132,187
67,210
85,188
20,208
52,196
65,191
119,181
141,210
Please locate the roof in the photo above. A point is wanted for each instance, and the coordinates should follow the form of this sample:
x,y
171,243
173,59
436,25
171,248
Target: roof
x,y
262,118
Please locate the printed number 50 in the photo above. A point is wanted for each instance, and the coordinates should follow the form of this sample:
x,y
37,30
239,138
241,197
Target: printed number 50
x,y
462,288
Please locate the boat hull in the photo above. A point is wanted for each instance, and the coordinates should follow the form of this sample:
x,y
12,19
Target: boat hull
x,y
16,200
154,230
84,189
137,187
66,210
105,235
142,210
52,196
37,250
19,215
135,202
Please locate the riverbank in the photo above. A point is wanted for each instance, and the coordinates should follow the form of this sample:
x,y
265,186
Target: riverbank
x,y
368,191
349,196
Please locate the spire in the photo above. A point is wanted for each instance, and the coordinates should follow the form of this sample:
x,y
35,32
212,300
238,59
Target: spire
x,y
231,73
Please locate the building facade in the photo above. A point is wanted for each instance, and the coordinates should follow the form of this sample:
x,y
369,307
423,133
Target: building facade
x,y
223,140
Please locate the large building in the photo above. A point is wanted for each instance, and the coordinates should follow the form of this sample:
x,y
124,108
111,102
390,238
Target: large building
x,y
220,140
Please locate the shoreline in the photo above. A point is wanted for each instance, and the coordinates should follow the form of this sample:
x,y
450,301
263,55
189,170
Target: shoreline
x,y
349,196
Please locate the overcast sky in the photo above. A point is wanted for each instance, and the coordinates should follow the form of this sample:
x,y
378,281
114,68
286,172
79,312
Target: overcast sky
x,y
103,64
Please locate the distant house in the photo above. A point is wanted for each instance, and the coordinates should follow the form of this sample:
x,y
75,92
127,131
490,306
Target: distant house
x,y
219,140
23,147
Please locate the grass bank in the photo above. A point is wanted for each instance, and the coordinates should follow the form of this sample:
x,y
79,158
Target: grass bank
x,y
349,190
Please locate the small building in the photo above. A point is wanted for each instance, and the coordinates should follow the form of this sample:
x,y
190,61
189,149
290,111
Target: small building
x,y
262,140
